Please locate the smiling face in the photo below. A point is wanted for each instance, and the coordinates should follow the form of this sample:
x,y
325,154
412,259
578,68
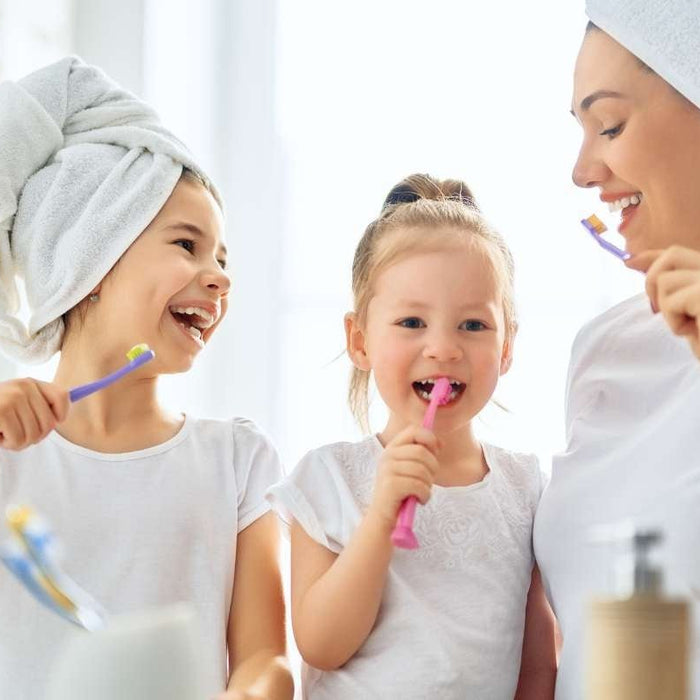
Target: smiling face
x,y
433,314
169,289
641,146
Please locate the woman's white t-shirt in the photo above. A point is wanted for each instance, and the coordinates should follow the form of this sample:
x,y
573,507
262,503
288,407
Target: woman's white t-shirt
x,y
140,530
633,452
450,625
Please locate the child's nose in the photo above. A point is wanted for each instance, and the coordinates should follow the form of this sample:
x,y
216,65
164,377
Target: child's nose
x,y
216,279
443,347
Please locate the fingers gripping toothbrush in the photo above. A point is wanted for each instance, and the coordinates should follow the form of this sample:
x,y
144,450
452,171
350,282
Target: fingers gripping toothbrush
x,y
403,535
138,355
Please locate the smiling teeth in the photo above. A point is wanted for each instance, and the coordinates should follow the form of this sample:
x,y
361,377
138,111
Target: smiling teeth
x,y
623,203
203,319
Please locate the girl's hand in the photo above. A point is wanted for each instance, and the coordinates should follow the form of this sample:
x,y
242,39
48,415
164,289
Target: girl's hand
x,y
274,683
407,468
29,411
673,287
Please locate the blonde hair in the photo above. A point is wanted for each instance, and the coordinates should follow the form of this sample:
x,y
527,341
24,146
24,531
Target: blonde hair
x,y
435,211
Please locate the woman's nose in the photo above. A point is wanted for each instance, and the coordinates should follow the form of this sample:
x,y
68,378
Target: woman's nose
x,y
589,169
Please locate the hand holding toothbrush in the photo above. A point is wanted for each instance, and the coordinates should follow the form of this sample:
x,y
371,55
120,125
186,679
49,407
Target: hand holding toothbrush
x,y
403,536
673,288
29,411
406,469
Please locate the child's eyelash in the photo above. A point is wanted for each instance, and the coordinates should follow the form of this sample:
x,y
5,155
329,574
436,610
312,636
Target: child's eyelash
x,y
190,246
411,322
414,323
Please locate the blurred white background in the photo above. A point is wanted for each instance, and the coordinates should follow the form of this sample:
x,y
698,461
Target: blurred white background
x,y
306,112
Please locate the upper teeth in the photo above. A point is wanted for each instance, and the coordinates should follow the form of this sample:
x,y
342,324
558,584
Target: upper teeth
x,y
623,203
203,319
454,382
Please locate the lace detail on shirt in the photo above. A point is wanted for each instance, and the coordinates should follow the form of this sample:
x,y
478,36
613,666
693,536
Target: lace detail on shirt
x,y
491,520
359,464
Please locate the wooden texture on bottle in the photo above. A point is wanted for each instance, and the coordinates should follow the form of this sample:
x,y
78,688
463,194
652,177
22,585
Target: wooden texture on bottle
x,y
637,649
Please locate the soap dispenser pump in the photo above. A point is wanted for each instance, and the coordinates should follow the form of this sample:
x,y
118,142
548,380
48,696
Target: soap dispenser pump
x,y
637,642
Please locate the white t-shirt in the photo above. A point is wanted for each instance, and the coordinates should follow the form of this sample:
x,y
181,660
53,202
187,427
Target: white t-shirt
x,y
139,529
633,452
451,619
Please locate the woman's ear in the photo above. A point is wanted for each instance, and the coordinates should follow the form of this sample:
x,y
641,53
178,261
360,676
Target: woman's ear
x,y
355,342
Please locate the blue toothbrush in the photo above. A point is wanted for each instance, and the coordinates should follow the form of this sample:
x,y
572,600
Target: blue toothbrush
x,y
138,355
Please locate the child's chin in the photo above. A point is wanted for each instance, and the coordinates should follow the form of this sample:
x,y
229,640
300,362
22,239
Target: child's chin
x,y
178,365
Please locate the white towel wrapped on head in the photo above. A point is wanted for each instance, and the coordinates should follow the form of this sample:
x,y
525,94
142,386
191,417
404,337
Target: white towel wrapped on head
x,y
84,168
665,34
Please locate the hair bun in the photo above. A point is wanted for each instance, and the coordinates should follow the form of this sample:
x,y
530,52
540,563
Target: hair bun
x,y
423,186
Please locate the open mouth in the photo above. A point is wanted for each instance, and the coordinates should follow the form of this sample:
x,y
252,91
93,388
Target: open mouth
x,y
194,320
627,206
424,387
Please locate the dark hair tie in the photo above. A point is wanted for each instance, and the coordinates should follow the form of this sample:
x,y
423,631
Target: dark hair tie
x,y
401,194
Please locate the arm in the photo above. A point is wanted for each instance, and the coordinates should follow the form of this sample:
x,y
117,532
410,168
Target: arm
x,y
256,634
333,592
538,665
336,598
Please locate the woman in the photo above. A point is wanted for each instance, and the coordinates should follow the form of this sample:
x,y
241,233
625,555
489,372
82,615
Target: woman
x,y
633,400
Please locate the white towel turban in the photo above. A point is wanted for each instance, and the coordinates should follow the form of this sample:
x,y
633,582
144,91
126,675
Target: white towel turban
x,y
84,168
665,34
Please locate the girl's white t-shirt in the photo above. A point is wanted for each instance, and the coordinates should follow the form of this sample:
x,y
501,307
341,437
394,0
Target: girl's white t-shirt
x,y
450,625
139,530
633,453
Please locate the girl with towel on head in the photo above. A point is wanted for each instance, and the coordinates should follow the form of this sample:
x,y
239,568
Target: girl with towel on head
x,y
633,399
118,237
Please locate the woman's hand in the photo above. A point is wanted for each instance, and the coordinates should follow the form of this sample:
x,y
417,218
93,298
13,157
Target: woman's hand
x,y
673,287
29,411
406,468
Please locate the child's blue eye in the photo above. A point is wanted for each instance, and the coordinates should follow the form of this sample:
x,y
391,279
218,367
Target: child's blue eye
x,y
411,323
186,243
473,325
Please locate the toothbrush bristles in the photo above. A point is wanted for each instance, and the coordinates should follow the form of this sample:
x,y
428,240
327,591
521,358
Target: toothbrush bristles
x,y
596,223
137,350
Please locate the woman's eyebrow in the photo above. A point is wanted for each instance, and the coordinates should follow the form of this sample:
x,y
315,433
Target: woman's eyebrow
x,y
586,102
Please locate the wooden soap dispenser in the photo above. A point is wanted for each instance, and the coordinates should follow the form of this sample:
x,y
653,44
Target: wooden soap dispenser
x,y
637,644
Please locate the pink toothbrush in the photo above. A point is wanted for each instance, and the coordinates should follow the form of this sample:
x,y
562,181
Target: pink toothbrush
x,y
403,536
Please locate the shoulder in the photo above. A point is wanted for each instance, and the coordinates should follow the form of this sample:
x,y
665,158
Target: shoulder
x,y
520,470
348,459
243,431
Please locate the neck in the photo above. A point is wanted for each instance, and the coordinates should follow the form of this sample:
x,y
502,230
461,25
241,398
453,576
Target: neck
x,y
123,417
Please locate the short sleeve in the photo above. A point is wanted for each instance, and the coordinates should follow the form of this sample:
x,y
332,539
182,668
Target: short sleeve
x,y
257,467
318,498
